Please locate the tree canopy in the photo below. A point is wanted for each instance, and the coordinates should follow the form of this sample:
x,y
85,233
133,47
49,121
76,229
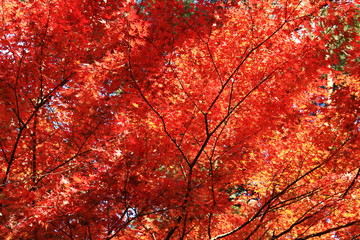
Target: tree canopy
x,y
179,119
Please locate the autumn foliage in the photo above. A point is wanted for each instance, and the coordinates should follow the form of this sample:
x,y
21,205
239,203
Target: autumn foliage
x,y
179,119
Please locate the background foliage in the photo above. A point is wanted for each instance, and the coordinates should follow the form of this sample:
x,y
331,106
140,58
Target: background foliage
x,y
179,119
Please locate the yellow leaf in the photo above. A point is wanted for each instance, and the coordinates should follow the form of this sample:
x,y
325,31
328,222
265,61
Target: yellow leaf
x,y
76,179
135,105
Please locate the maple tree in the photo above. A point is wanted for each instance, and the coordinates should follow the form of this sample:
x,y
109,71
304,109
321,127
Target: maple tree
x,y
179,119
